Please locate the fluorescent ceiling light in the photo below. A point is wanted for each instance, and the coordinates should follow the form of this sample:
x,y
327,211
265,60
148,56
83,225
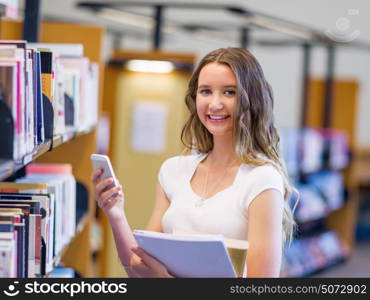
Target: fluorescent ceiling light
x,y
148,23
151,66
126,18
279,26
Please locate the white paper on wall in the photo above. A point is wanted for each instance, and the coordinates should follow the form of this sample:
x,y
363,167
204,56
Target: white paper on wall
x,y
149,127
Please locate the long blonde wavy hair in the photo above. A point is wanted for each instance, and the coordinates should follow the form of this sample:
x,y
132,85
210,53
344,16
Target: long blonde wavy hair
x,y
255,137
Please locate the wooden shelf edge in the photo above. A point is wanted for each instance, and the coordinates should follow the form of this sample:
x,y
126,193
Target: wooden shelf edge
x,y
9,167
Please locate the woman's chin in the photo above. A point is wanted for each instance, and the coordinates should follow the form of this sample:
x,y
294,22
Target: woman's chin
x,y
219,132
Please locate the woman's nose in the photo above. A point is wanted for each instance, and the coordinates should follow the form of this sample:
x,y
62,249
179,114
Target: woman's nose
x,y
216,103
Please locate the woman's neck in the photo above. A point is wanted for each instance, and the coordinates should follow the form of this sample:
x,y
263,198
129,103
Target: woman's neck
x,y
223,153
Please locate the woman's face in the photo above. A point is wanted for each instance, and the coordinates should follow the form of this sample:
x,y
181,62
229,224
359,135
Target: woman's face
x,y
216,98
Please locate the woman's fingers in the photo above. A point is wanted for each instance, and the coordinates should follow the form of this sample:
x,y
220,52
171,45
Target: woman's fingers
x,y
149,260
111,202
109,193
103,184
145,265
96,176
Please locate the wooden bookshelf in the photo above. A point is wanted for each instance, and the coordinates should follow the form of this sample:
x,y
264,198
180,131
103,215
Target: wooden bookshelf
x,y
9,167
344,116
72,148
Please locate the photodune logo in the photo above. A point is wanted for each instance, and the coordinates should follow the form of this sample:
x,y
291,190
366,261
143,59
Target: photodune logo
x,y
12,291
343,31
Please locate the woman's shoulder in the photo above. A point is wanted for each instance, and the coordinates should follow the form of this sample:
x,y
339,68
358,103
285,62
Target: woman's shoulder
x,y
180,161
260,178
266,173
266,169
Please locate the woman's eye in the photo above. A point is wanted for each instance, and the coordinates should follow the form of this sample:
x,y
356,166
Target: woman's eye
x,y
205,91
230,92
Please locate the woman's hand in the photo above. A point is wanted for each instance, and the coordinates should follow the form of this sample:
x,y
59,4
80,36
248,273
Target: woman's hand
x,y
144,265
109,199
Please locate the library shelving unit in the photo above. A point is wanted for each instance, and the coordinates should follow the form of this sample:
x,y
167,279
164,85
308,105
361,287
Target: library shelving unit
x,y
343,117
342,220
73,148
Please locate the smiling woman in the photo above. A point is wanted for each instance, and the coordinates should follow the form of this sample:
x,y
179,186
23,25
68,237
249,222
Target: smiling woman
x,y
231,181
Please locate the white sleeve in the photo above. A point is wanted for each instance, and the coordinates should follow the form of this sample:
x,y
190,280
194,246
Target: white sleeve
x,y
262,178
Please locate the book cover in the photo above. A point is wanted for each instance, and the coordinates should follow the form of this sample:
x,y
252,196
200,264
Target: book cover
x,y
63,186
42,211
188,255
81,65
49,169
39,100
237,250
8,250
11,55
64,50
29,112
25,210
20,56
46,73
34,265
16,218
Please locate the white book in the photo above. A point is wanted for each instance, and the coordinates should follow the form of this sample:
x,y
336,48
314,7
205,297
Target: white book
x,y
31,247
9,53
187,255
8,259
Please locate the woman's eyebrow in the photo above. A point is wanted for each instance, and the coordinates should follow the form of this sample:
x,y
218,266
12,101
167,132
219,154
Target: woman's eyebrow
x,y
225,86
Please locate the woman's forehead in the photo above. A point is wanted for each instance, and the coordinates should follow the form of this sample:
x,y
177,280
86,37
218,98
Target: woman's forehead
x,y
216,74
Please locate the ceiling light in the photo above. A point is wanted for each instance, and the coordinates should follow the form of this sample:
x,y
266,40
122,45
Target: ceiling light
x,y
151,66
126,18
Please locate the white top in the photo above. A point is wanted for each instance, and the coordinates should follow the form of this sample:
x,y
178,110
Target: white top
x,y
224,213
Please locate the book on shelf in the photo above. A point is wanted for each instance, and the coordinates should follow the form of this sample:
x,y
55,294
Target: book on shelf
x,y
306,256
14,54
195,255
310,150
62,184
63,49
35,239
41,206
289,149
34,77
8,248
84,96
321,193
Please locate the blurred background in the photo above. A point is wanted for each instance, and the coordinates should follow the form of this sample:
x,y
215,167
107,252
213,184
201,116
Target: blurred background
x,y
315,55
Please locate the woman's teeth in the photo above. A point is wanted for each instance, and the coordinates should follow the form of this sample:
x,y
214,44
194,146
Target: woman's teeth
x,y
218,117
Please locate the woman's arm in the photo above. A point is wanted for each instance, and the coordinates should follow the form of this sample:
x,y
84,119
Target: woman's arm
x,y
112,203
122,231
265,215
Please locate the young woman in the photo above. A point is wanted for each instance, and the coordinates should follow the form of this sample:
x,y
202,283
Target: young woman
x,y
232,181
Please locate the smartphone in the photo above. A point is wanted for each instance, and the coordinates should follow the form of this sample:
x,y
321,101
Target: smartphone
x,y
103,162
